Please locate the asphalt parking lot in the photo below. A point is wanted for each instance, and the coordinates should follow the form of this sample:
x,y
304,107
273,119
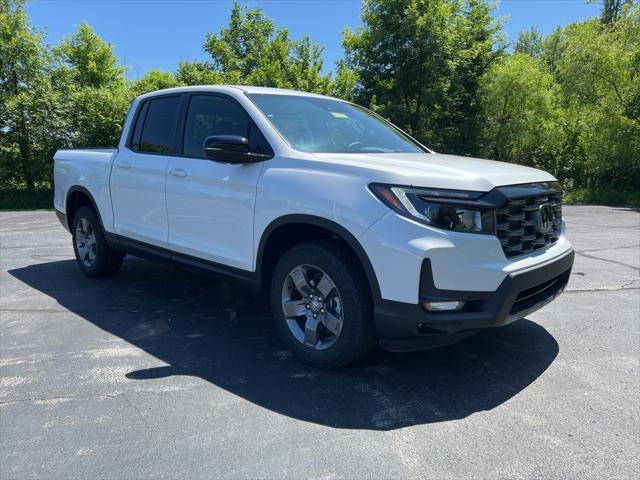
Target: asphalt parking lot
x,y
160,373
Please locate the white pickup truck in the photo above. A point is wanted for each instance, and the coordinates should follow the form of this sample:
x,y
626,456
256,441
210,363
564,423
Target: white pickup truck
x,y
358,234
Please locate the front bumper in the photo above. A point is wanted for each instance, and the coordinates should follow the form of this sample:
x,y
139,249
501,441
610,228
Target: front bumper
x,y
406,326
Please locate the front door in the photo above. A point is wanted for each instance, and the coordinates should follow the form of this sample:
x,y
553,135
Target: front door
x,y
210,205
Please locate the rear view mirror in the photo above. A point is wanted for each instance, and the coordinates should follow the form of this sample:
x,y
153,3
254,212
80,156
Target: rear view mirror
x,y
227,149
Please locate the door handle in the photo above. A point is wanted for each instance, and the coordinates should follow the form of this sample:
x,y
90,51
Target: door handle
x,y
177,172
124,165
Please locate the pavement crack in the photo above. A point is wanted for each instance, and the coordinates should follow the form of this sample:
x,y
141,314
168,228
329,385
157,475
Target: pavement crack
x,y
609,248
135,408
618,289
63,398
615,262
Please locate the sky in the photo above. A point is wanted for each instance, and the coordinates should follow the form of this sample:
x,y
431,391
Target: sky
x,y
158,33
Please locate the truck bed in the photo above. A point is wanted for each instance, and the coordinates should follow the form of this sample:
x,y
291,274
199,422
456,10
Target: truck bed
x,y
88,168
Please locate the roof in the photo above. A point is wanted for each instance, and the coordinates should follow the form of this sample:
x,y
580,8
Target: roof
x,y
229,88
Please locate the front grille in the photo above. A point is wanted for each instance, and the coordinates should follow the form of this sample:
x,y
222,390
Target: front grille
x,y
519,223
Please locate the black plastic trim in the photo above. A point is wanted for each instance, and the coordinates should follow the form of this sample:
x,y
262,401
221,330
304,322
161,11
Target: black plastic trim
x,y
78,188
153,252
331,226
494,198
62,218
399,324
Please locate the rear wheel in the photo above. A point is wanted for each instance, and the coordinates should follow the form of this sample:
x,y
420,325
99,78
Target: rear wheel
x,y
321,304
93,255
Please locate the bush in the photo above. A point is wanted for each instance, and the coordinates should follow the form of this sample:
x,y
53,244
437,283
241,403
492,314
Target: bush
x,y
23,199
614,198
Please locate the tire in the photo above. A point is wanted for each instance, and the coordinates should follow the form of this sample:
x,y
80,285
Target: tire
x,y
93,255
335,343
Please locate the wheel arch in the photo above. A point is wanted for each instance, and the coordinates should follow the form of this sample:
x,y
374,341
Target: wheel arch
x,y
78,196
276,239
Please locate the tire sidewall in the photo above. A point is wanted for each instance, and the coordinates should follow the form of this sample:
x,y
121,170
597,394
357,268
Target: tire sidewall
x,y
355,302
101,245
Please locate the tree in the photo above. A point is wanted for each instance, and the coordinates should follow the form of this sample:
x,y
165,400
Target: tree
x,y
197,73
612,9
251,50
530,42
598,62
598,73
344,82
419,63
520,108
478,43
153,80
25,114
91,83
89,60
552,49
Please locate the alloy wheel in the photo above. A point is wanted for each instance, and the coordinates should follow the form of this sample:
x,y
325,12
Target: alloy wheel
x,y
86,242
312,307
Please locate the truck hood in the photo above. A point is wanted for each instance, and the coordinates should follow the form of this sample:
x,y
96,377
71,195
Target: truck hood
x,y
437,170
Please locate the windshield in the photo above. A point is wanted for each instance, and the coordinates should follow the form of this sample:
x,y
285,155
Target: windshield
x,y
323,125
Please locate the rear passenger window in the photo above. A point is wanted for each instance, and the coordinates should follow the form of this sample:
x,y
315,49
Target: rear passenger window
x,y
209,115
159,129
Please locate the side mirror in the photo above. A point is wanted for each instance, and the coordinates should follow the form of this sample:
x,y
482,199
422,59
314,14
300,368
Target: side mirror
x,y
227,149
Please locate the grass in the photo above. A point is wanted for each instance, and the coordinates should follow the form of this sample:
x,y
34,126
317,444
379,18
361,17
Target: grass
x,y
22,199
42,198
611,198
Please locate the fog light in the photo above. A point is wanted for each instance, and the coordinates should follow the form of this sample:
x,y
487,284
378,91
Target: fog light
x,y
440,306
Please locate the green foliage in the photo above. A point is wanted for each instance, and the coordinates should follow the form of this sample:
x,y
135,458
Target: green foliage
x,y
598,74
25,99
344,82
252,51
612,197
94,116
94,97
153,80
530,42
88,61
568,102
421,60
575,111
612,10
21,199
520,111
197,73
478,44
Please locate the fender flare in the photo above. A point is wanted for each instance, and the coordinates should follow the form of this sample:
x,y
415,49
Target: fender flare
x,y
83,190
331,226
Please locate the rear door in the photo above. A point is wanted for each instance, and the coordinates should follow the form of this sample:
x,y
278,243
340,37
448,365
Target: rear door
x,y
138,177
211,205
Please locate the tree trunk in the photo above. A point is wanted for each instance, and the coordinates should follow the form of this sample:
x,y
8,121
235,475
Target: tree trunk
x,y
25,155
23,136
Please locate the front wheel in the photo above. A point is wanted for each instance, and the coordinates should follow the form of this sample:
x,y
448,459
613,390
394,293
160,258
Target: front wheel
x,y
93,255
321,304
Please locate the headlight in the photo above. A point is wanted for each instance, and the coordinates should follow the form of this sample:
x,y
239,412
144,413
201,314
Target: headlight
x,y
446,209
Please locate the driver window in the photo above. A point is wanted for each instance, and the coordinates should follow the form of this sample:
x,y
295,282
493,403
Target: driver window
x,y
210,115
